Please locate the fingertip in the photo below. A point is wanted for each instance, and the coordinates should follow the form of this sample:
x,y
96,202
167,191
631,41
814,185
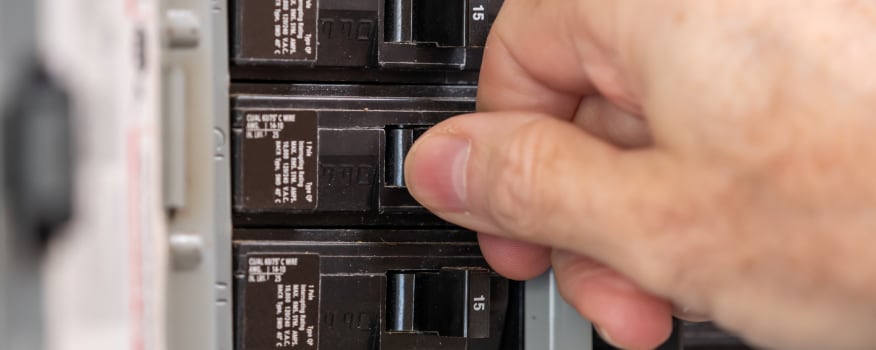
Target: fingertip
x,y
514,259
626,315
631,321
435,171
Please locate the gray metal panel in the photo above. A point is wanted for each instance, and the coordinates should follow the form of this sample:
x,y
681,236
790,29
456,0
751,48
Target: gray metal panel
x,y
222,173
551,323
195,85
190,64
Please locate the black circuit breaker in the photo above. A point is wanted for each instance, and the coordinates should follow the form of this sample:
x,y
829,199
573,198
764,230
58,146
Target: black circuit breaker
x,y
361,41
331,251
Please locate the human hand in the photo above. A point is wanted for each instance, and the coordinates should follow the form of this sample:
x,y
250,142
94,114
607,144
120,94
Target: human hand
x,y
712,155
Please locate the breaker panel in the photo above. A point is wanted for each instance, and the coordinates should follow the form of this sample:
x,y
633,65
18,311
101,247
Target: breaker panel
x,y
228,174
330,251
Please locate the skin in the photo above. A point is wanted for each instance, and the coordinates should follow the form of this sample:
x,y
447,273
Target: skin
x,y
709,159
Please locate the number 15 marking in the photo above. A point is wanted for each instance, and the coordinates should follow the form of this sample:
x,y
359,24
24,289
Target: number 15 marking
x,y
479,303
478,13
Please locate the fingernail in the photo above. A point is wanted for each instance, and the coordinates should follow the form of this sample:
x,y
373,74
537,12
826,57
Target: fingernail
x,y
605,336
436,171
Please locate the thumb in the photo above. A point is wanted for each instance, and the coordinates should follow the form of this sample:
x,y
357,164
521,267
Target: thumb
x,y
535,178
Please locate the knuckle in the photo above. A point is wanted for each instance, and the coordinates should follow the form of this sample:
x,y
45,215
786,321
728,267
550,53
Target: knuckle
x,y
521,178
